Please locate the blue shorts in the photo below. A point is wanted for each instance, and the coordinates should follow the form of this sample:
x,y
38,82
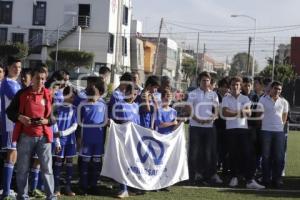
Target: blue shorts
x,y
6,143
67,151
92,150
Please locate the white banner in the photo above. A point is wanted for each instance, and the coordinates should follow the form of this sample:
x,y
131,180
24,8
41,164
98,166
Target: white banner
x,y
145,159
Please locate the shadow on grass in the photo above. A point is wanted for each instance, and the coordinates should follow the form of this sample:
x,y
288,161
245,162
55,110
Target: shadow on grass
x,y
290,189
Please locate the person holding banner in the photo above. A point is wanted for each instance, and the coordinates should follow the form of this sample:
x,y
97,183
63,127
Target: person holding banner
x,y
166,121
148,102
123,112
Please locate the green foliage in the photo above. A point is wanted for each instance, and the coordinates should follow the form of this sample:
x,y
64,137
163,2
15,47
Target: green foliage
x,y
189,67
282,73
70,59
239,65
17,50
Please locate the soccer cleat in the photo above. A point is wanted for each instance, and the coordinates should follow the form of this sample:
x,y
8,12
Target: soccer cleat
x,y
233,182
254,185
123,194
38,194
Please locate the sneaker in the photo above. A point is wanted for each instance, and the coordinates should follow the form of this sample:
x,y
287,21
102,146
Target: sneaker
x,y
123,194
57,193
8,198
70,193
254,185
38,194
216,179
233,182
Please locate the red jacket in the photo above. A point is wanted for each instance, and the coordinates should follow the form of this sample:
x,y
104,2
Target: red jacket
x,y
20,101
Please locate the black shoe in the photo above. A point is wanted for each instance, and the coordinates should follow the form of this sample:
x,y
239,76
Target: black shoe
x,y
277,184
94,191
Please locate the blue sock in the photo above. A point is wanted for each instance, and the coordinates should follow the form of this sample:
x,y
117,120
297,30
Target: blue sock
x,y
34,178
123,187
7,176
56,171
69,173
95,171
84,173
40,185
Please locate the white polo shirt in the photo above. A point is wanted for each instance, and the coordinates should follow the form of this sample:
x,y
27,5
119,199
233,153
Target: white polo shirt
x,y
202,104
272,115
235,104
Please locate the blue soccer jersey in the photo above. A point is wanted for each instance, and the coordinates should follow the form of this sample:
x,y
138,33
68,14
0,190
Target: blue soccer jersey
x,y
66,123
93,118
145,116
117,96
126,112
58,97
8,90
81,96
166,115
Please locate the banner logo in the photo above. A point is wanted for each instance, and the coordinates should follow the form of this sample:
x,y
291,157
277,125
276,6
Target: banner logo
x,y
154,149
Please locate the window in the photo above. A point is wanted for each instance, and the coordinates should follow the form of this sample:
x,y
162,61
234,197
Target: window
x,y
124,46
125,15
17,37
35,40
3,35
111,41
5,12
39,14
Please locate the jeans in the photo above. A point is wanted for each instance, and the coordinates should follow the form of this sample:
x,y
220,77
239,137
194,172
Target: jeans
x,y
26,146
202,152
241,153
272,155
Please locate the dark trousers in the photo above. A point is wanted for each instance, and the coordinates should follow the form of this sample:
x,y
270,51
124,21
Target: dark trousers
x,y
222,150
241,153
202,152
273,144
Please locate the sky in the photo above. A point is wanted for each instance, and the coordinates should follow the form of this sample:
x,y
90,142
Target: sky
x,y
222,35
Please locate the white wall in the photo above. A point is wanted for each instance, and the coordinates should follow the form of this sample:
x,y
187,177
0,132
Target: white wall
x,y
94,39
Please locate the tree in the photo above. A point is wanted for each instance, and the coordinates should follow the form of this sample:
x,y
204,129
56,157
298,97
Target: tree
x,y
17,50
72,58
189,68
282,73
239,64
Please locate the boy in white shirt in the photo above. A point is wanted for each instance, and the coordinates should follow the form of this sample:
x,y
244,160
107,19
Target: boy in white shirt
x,y
275,112
236,109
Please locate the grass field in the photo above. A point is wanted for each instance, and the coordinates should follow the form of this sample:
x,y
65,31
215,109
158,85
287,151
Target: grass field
x,y
290,190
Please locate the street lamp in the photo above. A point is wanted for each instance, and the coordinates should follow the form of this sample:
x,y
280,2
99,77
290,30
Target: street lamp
x,y
254,40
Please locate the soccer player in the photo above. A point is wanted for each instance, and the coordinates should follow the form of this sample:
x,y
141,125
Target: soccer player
x,y
25,77
123,112
236,109
9,87
148,102
93,118
166,121
65,140
272,134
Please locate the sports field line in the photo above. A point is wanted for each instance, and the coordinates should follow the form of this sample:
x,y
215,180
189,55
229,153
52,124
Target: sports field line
x,y
243,189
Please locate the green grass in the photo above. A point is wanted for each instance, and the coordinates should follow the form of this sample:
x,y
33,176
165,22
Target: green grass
x,y
291,189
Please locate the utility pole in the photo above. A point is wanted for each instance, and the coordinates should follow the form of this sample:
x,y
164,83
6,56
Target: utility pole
x,y
197,56
56,53
273,66
157,48
203,57
248,58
